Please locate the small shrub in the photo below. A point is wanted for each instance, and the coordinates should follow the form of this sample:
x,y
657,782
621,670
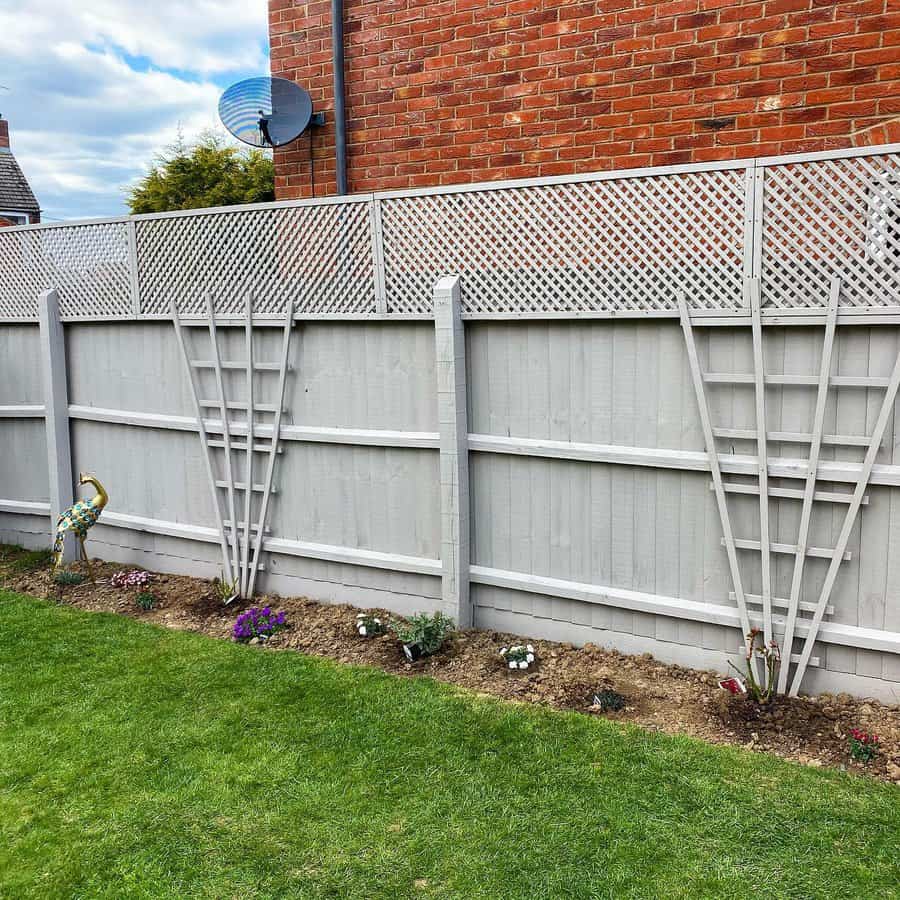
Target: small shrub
x,y
760,691
520,656
864,746
135,578
258,623
609,701
65,578
146,600
225,590
425,632
368,625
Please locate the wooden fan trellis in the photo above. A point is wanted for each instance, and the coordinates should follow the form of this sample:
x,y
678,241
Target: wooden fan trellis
x,y
241,506
793,625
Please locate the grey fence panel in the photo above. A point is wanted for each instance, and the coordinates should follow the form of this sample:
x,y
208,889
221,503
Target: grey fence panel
x,y
115,365
23,449
547,503
146,471
363,375
20,365
372,498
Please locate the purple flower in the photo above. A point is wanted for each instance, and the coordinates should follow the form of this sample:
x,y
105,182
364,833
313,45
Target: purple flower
x,y
257,622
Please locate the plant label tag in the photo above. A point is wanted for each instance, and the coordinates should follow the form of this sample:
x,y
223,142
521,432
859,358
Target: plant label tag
x,y
733,685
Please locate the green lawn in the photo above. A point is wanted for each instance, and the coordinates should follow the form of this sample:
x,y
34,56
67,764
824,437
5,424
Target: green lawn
x,y
139,762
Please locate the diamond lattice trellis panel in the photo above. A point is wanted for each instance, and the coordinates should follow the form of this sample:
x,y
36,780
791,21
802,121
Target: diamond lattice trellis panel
x,y
832,217
609,244
87,264
320,256
616,244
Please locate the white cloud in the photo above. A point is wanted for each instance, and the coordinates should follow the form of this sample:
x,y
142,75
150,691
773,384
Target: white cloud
x,y
209,36
111,85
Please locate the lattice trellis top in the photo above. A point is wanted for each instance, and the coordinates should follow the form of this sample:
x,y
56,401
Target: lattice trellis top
x,y
611,243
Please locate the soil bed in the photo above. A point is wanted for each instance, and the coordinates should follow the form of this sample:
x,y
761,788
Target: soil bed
x,y
660,697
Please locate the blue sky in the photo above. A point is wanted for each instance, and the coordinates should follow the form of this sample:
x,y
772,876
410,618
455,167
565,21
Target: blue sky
x,y
97,88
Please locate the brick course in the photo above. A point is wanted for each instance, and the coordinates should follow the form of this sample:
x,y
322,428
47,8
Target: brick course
x,y
469,90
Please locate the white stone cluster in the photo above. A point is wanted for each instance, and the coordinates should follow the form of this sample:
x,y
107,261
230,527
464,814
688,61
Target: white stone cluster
x,y
523,656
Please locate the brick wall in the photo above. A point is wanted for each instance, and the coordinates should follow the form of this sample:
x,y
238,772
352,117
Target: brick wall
x,y
470,90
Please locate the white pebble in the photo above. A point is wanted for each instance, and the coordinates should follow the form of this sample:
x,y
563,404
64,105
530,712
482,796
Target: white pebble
x,y
523,664
512,664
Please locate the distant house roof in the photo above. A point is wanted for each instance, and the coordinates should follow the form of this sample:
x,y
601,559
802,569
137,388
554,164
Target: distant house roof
x,y
15,194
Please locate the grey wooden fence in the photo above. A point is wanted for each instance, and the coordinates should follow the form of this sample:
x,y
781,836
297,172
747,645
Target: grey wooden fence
x,y
522,445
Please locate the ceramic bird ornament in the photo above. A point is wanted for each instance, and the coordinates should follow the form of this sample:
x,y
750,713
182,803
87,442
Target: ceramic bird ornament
x,y
78,519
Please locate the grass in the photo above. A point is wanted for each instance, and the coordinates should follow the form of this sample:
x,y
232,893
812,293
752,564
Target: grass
x,y
18,559
140,762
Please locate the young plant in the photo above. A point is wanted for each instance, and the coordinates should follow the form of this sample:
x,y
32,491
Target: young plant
x,y
520,656
146,600
225,590
258,623
609,701
135,578
422,635
864,745
368,625
65,578
31,560
760,691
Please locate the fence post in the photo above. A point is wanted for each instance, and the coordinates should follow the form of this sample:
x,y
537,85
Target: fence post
x,y
450,366
56,411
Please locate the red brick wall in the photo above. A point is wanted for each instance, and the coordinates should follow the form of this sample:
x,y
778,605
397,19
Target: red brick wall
x,y
471,90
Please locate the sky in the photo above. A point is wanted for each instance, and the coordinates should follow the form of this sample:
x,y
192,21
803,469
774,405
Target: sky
x,y
94,89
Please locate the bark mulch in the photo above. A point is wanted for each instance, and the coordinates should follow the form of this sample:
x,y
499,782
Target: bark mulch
x,y
659,697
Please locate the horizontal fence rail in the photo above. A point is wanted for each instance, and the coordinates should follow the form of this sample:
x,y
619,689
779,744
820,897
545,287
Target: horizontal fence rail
x,y
604,244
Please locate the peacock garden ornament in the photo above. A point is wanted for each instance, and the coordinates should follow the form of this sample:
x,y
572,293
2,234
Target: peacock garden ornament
x,y
78,519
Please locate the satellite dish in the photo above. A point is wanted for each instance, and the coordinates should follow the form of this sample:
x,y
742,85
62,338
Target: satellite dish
x,y
266,112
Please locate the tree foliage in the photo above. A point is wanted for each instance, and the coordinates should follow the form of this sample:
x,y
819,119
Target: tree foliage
x,y
207,173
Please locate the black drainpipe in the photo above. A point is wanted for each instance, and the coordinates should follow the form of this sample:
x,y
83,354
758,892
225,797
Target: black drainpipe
x,y
340,113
